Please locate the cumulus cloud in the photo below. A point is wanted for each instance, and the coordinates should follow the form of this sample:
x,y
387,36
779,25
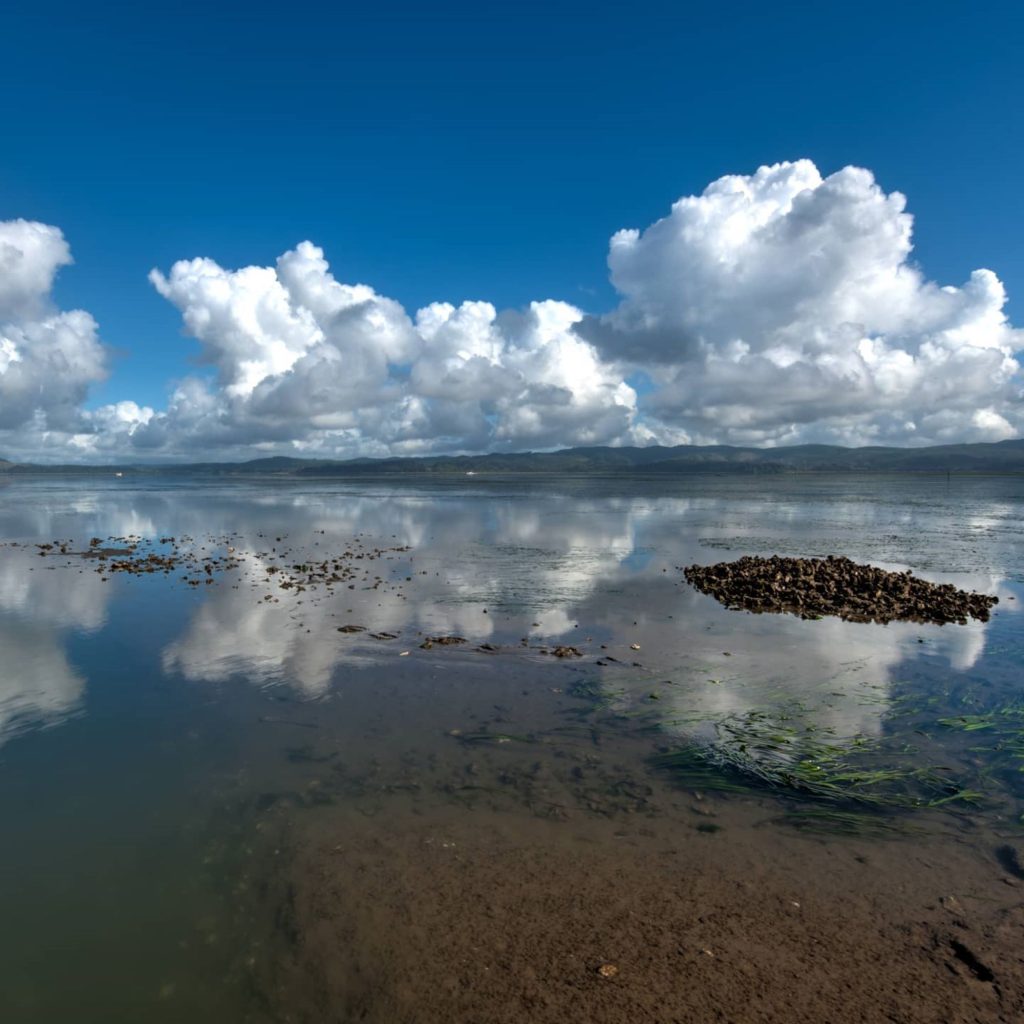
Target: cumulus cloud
x,y
30,256
783,306
307,361
774,308
48,358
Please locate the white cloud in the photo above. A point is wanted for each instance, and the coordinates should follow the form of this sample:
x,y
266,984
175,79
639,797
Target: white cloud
x,y
30,256
773,308
307,362
48,358
782,307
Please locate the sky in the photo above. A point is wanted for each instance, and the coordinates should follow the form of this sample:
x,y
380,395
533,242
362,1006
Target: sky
x,y
230,230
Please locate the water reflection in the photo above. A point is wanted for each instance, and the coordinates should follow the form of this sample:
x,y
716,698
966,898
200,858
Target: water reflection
x,y
500,565
233,633
39,592
37,685
38,606
588,572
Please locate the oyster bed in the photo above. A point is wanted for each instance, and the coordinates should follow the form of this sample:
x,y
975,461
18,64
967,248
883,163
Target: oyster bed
x,y
814,587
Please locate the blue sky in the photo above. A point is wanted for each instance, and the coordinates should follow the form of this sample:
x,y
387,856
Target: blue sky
x,y
457,151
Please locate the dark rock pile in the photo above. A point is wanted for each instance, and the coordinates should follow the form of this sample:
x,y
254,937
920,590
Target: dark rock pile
x,y
813,587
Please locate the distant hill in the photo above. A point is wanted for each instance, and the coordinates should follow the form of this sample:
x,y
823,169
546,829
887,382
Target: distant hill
x,y
682,460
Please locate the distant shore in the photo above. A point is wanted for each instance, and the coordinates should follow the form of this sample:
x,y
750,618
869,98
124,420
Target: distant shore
x,y
1001,457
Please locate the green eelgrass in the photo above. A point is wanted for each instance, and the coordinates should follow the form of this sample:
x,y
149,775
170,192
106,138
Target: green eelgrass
x,y
778,748
1002,728
757,751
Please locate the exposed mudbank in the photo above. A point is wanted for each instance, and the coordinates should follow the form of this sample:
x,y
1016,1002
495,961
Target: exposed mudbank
x,y
814,587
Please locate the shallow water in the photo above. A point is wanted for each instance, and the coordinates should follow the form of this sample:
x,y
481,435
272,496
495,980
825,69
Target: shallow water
x,y
161,741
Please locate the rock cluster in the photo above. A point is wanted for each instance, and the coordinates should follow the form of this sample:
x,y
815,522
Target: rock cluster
x,y
812,587
200,561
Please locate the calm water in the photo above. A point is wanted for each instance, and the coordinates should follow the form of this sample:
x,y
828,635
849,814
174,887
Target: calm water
x,y
147,724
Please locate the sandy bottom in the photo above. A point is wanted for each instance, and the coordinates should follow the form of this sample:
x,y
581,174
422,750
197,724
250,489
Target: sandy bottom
x,y
479,916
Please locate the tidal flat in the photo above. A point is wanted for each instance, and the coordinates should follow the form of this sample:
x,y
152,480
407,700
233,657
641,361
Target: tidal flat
x,y
476,751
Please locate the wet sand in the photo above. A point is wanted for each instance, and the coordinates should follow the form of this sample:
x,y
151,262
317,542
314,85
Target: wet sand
x,y
487,917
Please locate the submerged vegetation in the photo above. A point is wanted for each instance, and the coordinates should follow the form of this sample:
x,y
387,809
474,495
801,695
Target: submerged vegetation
x,y
1001,741
758,749
862,785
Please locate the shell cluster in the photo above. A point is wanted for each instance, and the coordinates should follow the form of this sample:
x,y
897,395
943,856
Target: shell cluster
x,y
814,587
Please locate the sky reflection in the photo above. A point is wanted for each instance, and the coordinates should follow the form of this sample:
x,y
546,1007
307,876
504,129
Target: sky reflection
x,y
499,566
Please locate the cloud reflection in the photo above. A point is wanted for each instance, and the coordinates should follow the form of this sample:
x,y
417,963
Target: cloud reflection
x,y
37,684
585,568
563,569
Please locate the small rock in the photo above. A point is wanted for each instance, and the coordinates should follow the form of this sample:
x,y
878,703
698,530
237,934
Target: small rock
x,y
567,652
952,904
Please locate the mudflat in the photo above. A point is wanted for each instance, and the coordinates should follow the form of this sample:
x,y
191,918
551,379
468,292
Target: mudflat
x,y
485,917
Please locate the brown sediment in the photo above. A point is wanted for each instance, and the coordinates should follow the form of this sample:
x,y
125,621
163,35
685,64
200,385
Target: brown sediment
x,y
607,922
813,587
